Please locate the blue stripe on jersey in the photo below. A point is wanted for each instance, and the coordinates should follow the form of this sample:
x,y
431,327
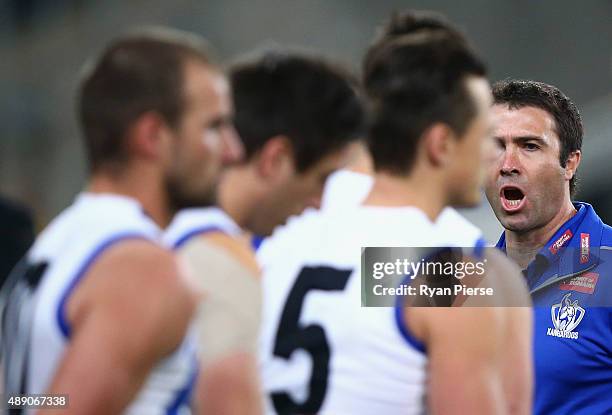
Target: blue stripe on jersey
x,y
256,241
194,232
183,395
481,244
61,309
401,322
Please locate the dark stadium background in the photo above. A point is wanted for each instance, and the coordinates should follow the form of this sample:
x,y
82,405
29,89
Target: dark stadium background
x,y
44,42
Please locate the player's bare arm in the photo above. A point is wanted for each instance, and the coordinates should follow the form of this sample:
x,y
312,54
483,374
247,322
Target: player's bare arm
x,y
225,270
517,364
480,352
130,310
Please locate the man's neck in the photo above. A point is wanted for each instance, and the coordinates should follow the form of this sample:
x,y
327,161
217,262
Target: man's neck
x,y
149,193
361,161
522,247
389,190
235,196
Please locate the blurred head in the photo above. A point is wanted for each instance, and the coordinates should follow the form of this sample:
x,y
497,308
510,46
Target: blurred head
x,y
430,104
155,98
538,137
296,116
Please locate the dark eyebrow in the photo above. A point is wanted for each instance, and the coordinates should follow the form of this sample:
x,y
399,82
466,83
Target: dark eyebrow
x,y
523,139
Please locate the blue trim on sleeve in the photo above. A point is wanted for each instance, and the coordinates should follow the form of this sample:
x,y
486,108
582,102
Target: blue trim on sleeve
x,y
399,308
256,241
481,244
401,323
194,232
61,309
183,395
501,243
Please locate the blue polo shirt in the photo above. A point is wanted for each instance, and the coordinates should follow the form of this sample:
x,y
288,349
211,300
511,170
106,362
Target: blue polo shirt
x,y
570,280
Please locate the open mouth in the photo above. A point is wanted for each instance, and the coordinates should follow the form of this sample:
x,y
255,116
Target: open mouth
x,y
512,198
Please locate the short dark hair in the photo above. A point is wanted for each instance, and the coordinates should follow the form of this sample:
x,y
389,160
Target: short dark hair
x,y
411,21
568,123
313,103
136,73
414,75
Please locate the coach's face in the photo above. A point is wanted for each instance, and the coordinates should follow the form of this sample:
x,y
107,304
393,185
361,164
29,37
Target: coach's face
x,y
205,138
526,184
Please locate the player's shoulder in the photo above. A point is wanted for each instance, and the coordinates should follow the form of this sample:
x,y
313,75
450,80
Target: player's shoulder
x,y
143,279
92,224
505,277
323,237
133,270
141,259
345,188
236,247
297,231
456,229
189,223
397,226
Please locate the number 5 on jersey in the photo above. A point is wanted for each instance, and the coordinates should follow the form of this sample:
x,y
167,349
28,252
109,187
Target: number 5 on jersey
x,y
291,336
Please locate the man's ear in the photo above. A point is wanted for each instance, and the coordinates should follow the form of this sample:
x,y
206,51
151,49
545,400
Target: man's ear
x,y
438,142
275,159
573,161
148,136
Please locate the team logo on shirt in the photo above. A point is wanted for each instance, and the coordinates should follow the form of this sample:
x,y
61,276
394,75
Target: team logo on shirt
x,y
566,316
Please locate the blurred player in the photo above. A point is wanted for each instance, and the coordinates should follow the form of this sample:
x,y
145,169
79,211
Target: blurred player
x,y
99,311
321,352
296,116
348,187
564,248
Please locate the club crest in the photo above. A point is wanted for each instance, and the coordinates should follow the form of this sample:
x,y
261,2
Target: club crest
x,y
566,315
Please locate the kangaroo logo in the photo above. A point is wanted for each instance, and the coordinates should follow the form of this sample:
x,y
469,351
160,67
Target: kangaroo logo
x,y
567,314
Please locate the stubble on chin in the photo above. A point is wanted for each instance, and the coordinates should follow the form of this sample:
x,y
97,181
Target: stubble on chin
x,y
180,198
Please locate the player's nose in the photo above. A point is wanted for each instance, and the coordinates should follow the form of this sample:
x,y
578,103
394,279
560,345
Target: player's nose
x,y
233,149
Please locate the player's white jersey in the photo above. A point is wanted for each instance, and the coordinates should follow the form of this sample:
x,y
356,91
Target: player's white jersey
x,y
192,222
59,258
320,350
345,189
457,230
